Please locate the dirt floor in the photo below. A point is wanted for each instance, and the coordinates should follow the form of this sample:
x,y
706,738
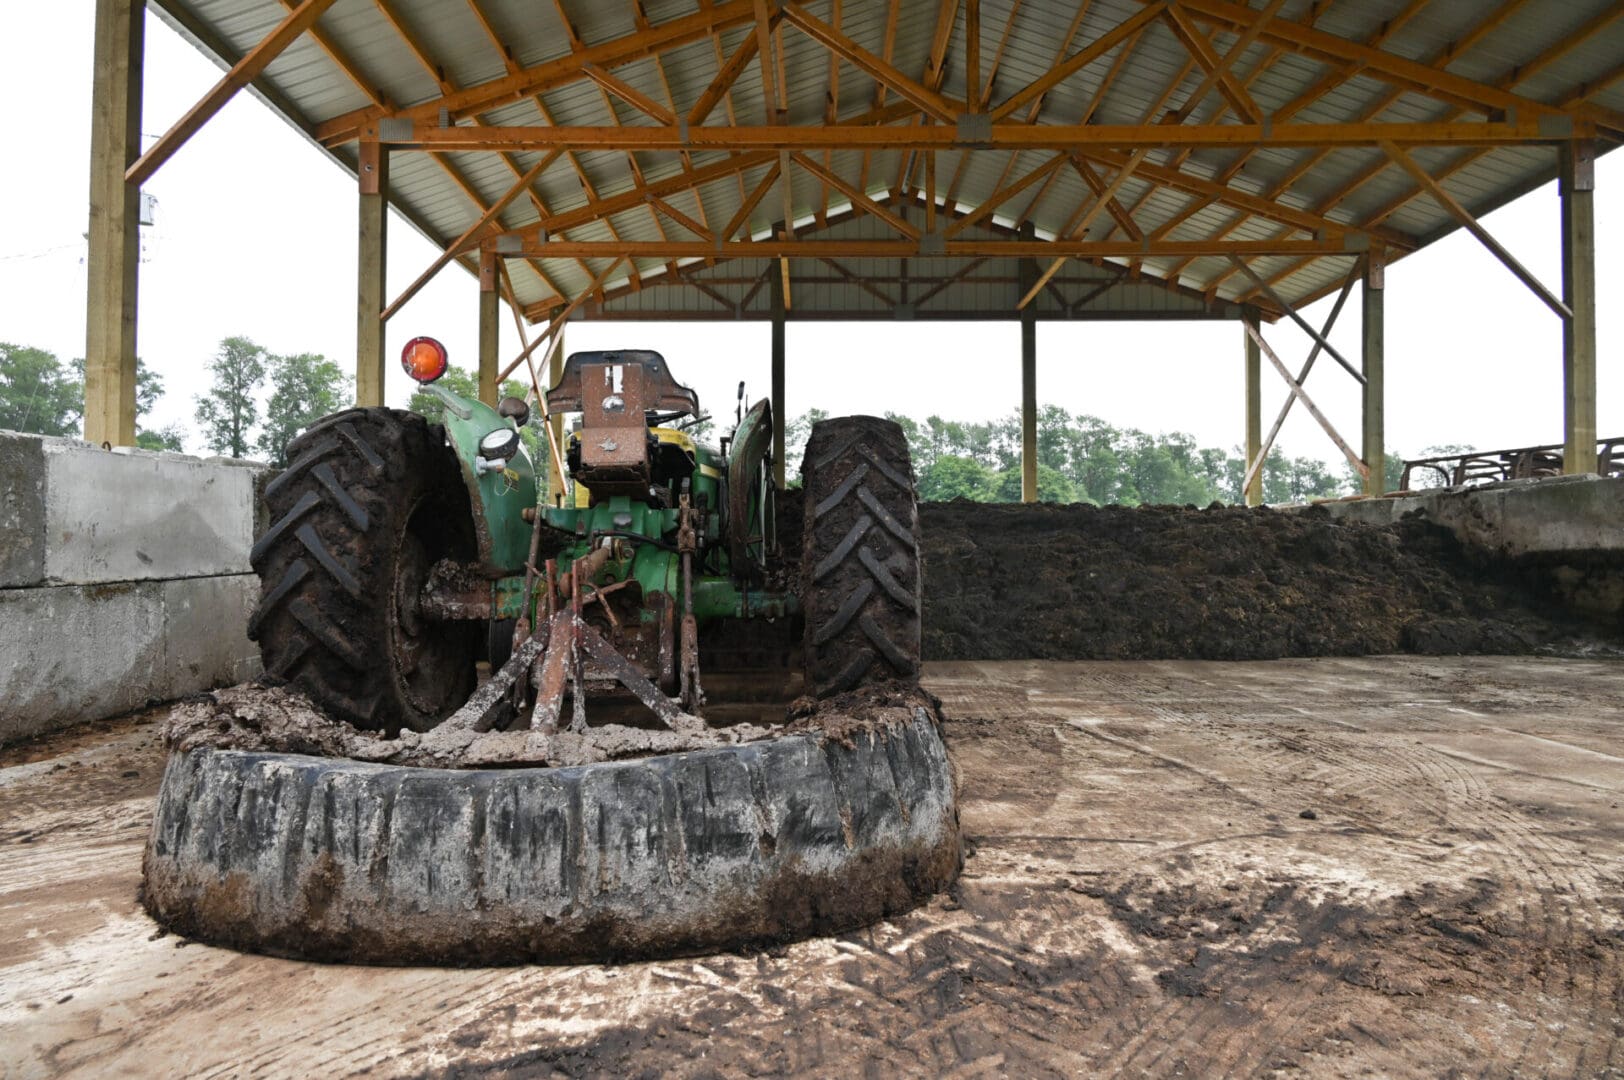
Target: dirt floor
x,y
1379,866
1164,582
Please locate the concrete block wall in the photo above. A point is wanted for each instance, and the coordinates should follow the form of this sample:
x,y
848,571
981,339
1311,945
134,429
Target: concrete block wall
x,y
1564,534
124,579
1554,516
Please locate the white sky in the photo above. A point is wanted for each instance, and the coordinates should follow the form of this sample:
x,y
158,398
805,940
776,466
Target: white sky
x,y
255,236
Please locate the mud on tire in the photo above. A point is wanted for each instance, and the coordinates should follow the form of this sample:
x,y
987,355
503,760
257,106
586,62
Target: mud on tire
x,y
370,500
860,556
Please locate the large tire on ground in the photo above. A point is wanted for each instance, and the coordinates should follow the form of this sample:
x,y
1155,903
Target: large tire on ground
x,y
370,500
860,575
742,845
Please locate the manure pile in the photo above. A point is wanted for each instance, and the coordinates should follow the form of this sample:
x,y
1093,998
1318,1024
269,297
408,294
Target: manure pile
x,y
1078,582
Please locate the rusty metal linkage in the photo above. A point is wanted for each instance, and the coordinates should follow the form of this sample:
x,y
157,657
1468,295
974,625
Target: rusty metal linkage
x,y
692,696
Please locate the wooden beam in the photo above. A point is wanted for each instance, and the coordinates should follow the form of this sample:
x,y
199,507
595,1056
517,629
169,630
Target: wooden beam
x,y
726,76
998,198
629,94
813,248
1267,444
489,327
1095,184
923,98
764,51
1308,402
113,231
1302,324
972,53
1218,74
1252,489
1385,66
551,74
459,245
1521,131
981,98
742,215
1217,70
858,197
1460,214
371,276
558,320
682,219
241,74
1100,204
1077,61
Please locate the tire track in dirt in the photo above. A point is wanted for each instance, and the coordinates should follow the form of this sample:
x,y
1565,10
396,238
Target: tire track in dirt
x,y
1526,857
1437,790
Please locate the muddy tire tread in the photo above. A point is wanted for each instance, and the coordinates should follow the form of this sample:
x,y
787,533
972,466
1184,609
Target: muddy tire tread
x,y
325,564
861,573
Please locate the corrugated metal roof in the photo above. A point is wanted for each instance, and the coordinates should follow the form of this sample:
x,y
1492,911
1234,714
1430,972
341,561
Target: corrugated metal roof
x,y
398,54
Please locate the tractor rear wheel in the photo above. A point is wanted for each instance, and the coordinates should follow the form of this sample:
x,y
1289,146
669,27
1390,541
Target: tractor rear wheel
x,y
860,573
370,500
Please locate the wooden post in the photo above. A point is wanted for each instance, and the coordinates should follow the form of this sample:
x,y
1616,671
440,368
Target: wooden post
x,y
489,312
1373,448
1254,407
1578,189
1029,376
555,375
114,234
778,379
370,276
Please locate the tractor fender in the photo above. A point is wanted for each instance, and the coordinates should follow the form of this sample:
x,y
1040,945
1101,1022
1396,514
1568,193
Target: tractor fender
x,y
752,441
498,498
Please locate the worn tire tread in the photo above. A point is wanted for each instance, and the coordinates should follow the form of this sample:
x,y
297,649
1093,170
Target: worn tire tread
x,y
860,559
326,562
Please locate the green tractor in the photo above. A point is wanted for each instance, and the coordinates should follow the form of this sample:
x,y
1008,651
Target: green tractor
x,y
413,577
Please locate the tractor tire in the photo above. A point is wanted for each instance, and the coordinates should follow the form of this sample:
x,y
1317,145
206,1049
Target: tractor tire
x,y
371,499
860,574
741,846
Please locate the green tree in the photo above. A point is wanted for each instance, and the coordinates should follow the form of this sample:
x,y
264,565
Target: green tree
x,y
149,387
953,477
304,388
456,380
228,412
796,432
37,393
1297,480
1053,487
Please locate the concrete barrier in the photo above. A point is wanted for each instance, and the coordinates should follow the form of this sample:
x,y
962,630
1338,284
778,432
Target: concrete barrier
x,y
1563,534
1514,518
124,579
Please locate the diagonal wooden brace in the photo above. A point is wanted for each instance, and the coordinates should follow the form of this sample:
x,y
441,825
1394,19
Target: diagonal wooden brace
x,y
1308,365
1308,402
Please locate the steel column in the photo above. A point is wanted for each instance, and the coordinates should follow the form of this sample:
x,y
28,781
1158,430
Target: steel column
x,y
1029,377
114,233
1254,406
1578,192
370,277
489,313
1373,449
777,287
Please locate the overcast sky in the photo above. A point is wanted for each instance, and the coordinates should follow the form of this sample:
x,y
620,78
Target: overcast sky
x,y
255,235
